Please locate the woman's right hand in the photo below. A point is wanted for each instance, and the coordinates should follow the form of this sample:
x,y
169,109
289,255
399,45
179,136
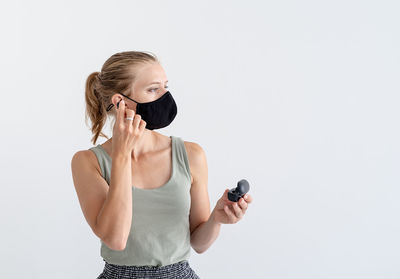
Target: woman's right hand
x,y
126,132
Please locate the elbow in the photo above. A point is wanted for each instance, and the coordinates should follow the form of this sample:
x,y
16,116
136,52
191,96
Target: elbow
x,y
119,246
199,251
114,242
195,247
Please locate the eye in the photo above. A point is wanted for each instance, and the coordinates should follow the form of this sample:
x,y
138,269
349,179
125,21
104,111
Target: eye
x,y
156,88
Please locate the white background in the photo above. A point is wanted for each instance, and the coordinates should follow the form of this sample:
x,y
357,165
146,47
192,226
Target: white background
x,y
301,98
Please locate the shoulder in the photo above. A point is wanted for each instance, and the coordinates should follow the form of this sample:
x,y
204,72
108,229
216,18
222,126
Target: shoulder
x,y
83,158
195,151
81,155
197,159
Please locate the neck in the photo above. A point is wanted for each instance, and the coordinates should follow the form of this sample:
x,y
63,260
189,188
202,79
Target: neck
x,y
146,143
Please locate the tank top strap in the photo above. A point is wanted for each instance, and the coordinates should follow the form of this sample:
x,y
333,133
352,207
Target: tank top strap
x,y
181,156
104,161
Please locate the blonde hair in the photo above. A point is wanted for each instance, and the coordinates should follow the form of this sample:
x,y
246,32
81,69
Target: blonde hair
x,y
117,75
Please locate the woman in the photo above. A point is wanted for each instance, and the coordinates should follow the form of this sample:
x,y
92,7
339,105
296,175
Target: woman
x,y
144,194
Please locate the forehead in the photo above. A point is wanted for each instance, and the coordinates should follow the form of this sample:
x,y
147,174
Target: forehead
x,y
148,73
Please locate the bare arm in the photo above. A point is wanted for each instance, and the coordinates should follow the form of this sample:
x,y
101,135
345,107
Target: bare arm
x,y
203,230
107,208
205,227
115,217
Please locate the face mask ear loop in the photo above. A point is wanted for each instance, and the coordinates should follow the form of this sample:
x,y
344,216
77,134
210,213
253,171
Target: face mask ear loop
x,y
111,105
129,98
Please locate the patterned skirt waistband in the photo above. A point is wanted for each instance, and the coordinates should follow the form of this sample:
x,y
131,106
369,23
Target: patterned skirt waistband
x,y
179,270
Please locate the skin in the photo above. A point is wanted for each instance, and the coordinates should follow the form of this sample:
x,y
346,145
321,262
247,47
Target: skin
x,y
108,209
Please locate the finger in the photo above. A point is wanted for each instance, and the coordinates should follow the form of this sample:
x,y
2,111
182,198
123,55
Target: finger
x,y
230,214
248,198
238,211
225,198
243,205
142,125
225,195
121,112
136,121
129,113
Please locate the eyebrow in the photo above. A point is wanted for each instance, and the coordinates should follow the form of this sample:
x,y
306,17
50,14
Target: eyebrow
x,y
156,82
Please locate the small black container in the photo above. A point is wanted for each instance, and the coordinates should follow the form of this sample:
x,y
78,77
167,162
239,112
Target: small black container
x,y
242,188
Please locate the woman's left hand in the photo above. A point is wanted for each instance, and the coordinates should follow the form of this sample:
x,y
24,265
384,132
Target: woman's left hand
x,y
228,212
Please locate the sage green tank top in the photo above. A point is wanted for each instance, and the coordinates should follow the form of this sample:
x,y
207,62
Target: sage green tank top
x,y
159,233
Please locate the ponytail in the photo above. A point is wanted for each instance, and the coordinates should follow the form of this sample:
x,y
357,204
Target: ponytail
x,y
95,109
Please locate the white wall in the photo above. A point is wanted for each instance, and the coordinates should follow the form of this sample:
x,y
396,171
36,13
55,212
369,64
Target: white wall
x,y
299,97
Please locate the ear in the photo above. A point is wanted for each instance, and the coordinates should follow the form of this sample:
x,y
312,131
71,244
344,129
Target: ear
x,y
116,98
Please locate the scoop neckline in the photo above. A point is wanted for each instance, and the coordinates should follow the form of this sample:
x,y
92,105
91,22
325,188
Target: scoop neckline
x,y
172,174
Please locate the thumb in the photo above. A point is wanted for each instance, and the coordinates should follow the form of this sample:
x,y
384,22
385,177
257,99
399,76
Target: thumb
x,y
225,194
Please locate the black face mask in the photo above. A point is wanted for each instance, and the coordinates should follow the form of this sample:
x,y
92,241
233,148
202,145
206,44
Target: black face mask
x,y
158,113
